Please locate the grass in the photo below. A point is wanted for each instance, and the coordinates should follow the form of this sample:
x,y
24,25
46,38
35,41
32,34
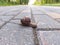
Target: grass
x,y
56,4
53,4
37,3
5,3
8,4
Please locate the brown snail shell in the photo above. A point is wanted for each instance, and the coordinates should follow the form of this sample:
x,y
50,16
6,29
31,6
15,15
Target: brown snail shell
x,y
26,21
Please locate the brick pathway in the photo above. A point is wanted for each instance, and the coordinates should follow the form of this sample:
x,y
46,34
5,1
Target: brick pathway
x,y
12,33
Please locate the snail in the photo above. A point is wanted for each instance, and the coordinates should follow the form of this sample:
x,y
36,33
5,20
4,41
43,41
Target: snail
x,y
26,21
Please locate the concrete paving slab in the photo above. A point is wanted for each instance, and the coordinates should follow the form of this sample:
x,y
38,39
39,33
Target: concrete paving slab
x,y
53,15
13,34
15,21
44,21
12,13
58,19
1,23
23,14
8,9
37,12
54,9
49,37
5,18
